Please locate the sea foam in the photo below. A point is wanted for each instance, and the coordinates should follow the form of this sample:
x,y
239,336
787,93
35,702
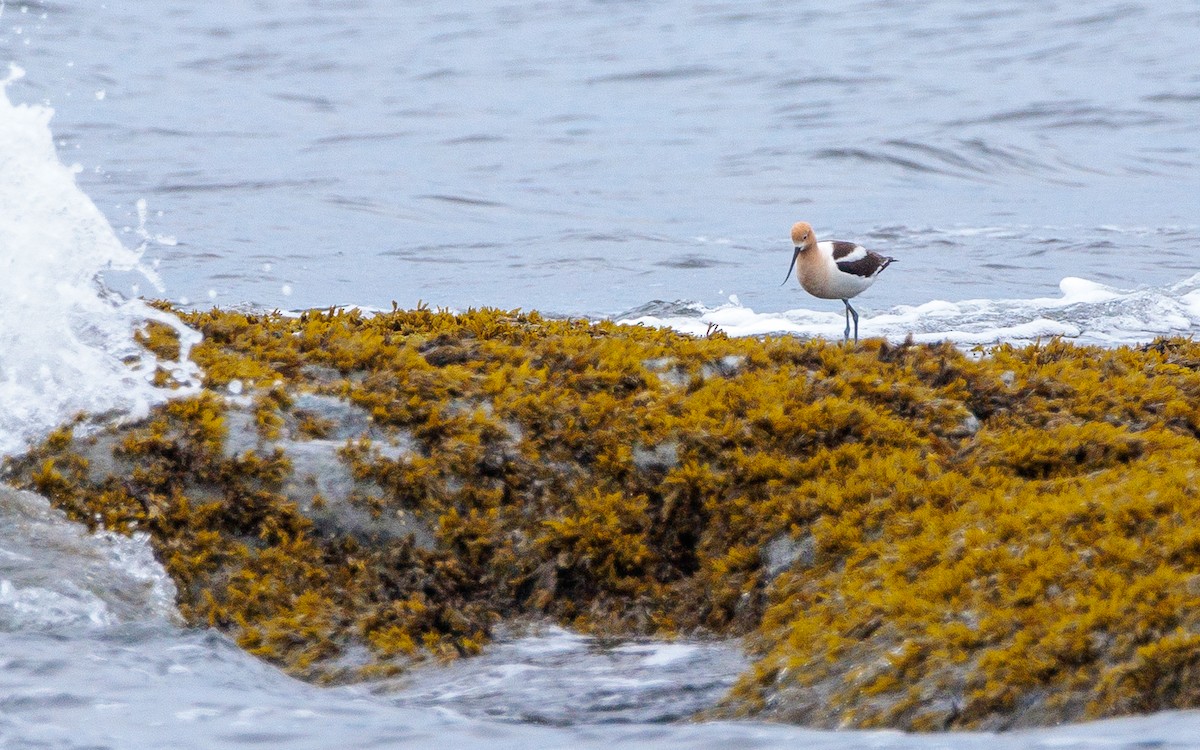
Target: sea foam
x,y
1086,313
66,341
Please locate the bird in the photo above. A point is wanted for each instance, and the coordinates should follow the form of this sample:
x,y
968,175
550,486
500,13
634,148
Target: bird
x,y
834,269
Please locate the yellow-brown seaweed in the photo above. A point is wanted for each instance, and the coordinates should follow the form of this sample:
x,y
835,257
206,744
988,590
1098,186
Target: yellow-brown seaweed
x,y
907,536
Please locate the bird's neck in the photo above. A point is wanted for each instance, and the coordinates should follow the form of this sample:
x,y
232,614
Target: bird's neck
x,y
811,269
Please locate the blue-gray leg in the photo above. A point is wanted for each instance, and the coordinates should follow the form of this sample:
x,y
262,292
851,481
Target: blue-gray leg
x,y
850,311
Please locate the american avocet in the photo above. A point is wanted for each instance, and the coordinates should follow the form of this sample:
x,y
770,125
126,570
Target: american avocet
x,y
834,269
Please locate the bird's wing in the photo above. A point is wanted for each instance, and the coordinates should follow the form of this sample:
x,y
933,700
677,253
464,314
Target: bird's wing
x,y
856,260
850,251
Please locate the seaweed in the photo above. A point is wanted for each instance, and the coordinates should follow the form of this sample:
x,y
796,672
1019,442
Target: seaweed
x,y
905,535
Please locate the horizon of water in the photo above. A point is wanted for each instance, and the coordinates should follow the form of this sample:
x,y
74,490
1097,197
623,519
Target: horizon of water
x,y
642,162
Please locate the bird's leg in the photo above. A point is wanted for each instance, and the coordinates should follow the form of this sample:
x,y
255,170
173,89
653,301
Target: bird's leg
x,y
850,311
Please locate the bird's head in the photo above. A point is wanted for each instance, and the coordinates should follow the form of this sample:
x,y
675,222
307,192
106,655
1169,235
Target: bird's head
x,y
802,234
802,239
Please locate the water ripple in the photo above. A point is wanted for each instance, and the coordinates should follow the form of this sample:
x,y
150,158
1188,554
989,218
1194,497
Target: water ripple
x,y
1067,114
657,74
461,200
240,185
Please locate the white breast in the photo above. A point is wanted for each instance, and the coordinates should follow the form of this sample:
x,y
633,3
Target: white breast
x,y
820,276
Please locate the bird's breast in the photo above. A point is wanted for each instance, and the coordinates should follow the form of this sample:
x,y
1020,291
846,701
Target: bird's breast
x,y
814,274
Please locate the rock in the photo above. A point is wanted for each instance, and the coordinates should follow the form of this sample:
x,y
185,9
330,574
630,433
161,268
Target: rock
x,y
782,552
725,367
662,457
324,489
968,427
349,421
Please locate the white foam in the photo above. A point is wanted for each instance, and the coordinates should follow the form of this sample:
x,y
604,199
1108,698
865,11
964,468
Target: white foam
x,y
54,574
25,607
662,654
66,342
1087,313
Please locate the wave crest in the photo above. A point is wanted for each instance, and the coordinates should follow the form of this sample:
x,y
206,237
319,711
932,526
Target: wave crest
x,y
66,341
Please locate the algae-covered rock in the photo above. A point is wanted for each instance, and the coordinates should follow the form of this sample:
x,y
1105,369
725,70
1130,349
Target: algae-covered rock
x,y
905,535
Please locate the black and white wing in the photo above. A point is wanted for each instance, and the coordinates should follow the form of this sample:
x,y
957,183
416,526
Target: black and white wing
x,y
856,260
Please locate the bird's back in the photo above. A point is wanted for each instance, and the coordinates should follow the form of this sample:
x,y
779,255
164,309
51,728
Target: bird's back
x,y
840,270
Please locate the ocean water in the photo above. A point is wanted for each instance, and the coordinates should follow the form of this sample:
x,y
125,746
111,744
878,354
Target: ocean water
x,y
587,157
1034,167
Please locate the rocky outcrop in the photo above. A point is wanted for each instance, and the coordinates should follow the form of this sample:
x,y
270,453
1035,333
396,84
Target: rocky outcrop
x,y
906,536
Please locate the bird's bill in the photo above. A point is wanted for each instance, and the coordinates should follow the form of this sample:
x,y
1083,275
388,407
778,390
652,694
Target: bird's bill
x,y
792,265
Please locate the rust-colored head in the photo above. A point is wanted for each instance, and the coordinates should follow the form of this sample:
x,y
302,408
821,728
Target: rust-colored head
x,y
802,239
802,234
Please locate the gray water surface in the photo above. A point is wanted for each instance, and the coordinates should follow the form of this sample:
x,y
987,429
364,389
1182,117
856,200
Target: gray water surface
x,y
589,157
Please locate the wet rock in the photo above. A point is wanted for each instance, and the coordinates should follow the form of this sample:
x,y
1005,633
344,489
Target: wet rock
x,y
324,489
783,552
321,374
668,370
538,469
967,427
241,434
725,367
662,457
347,420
